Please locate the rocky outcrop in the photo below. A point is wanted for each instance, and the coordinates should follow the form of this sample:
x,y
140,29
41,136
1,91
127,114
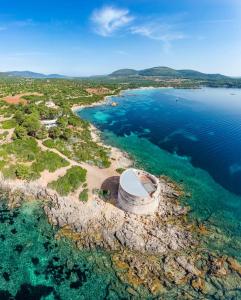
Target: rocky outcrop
x,y
102,224
150,254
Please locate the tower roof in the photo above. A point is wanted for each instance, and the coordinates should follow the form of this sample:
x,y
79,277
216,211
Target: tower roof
x,y
132,184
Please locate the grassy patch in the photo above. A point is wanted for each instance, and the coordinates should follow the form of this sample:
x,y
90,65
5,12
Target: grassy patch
x,y
120,170
9,172
24,150
2,164
91,152
70,182
83,196
48,160
25,173
3,135
8,124
59,145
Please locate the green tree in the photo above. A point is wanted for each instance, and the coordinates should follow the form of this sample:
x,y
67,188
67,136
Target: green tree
x,y
55,132
20,132
19,117
62,122
42,133
32,124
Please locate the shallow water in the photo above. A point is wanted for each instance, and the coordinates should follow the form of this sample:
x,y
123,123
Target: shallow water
x,y
35,265
151,125
193,136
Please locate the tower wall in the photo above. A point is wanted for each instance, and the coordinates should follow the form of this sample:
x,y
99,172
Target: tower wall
x,y
139,205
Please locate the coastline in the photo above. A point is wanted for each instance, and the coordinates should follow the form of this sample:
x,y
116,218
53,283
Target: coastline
x,y
156,252
75,108
104,101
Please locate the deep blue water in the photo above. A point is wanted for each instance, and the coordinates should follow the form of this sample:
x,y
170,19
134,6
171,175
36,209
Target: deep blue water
x,y
202,125
193,136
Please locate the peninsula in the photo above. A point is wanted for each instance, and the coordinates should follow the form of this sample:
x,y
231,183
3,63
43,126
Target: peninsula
x,y
48,153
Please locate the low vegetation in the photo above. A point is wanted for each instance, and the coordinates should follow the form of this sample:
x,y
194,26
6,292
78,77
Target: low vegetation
x,y
52,99
23,159
70,182
83,196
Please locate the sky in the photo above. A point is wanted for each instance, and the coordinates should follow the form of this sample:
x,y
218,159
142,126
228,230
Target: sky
x,y
81,37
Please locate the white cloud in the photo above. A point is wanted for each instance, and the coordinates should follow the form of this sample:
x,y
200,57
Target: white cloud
x,y
161,32
108,19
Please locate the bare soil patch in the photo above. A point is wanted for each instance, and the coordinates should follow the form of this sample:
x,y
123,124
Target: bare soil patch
x,y
98,91
18,99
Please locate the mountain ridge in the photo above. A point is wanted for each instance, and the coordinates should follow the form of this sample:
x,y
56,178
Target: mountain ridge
x,y
166,72
30,74
162,72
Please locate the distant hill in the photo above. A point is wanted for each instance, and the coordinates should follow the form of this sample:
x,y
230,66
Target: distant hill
x,y
29,74
125,72
167,73
162,72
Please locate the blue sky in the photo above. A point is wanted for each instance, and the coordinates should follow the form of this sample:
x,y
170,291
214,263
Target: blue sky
x,y
96,37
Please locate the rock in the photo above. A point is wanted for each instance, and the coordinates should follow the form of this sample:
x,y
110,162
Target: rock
x,y
218,267
173,272
190,268
132,291
203,230
156,287
198,284
234,265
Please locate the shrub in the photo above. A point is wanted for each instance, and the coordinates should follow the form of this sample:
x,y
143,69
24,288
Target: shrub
x,y
9,172
32,124
83,196
70,182
2,164
48,160
58,144
49,143
25,173
42,133
55,132
8,124
20,132
3,135
120,170
19,117
22,148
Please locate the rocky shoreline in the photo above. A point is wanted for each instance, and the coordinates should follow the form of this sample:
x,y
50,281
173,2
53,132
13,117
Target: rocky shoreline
x,y
150,254
101,224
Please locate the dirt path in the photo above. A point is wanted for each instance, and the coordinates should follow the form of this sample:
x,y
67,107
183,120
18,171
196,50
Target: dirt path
x,y
8,137
95,176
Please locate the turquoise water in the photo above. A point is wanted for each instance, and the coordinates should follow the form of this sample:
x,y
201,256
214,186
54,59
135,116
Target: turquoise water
x,y
153,127
35,265
193,136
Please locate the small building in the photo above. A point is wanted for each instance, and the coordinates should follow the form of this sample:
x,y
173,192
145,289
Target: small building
x,y
49,123
139,192
51,104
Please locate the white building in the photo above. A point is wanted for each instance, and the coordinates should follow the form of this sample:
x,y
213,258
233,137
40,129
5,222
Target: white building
x,y
49,123
139,192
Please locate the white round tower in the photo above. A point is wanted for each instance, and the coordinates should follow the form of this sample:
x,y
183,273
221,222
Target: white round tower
x,y
139,192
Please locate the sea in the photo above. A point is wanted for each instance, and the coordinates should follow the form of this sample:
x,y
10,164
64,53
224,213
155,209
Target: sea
x,y
191,135
194,137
